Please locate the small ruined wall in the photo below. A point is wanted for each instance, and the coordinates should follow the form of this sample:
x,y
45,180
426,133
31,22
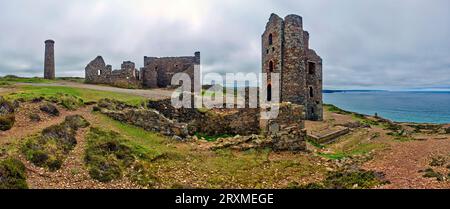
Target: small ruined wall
x,y
97,72
212,122
287,130
233,122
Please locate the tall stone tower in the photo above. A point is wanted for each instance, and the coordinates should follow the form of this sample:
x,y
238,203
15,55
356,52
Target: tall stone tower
x,y
285,50
49,60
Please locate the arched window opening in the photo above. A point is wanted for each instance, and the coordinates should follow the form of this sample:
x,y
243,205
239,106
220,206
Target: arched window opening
x,y
99,72
311,68
269,92
270,39
311,92
271,66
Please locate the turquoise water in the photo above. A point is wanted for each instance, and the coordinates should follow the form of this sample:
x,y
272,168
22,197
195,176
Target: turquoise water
x,y
420,107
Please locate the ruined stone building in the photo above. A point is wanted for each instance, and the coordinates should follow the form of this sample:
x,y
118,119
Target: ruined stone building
x,y
285,50
49,60
97,72
156,73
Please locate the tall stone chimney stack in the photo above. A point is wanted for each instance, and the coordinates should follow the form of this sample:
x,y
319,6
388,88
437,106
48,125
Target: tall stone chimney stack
x,y
49,60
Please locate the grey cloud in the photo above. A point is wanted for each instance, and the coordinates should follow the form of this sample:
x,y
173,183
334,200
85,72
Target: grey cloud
x,y
387,44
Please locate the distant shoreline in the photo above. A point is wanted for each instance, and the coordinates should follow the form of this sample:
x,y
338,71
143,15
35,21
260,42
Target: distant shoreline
x,y
326,91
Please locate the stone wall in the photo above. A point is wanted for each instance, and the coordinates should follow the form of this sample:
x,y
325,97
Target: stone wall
x,y
212,122
287,131
156,73
284,133
97,72
285,46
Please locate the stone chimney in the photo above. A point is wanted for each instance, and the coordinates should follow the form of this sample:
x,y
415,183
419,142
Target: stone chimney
x,y
49,60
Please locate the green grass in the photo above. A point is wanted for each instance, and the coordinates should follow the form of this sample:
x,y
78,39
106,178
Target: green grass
x,y
353,145
16,79
181,165
88,95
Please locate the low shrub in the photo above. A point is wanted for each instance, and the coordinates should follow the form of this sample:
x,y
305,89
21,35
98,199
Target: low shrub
x,y
360,179
50,148
107,155
438,161
12,174
49,108
430,173
7,115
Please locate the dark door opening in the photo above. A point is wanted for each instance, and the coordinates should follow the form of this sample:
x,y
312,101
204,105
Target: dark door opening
x,y
269,92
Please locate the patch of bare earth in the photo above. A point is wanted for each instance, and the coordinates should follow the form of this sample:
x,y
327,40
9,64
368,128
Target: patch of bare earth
x,y
403,160
73,173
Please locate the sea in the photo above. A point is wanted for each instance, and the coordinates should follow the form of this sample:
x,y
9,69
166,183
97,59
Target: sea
x,y
400,106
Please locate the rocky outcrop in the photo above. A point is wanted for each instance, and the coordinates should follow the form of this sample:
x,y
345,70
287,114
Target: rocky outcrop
x,y
148,119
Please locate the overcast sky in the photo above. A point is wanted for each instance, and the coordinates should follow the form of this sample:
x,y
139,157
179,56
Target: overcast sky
x,y
371,44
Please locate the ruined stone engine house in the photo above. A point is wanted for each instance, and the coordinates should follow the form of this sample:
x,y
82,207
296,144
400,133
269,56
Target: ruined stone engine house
x,y
156,73
285,50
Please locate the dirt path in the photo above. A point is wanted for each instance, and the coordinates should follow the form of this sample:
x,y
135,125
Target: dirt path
x,y
148,93
24,127
403,160
73,173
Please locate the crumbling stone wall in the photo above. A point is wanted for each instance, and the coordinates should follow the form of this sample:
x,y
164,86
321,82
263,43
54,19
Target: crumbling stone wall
x,y
287,131
215,122
243,121
156,73
97,72
285,50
